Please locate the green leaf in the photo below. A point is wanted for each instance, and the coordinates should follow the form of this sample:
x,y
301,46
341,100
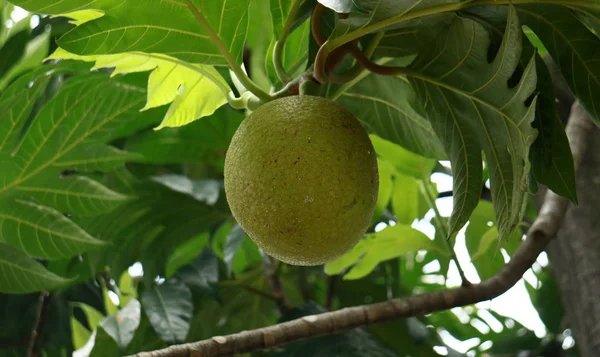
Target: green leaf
x,y
287,15
206,191
92,315
35,52
12,51
234,241
204,140
551,159
129,26
572,46
472,108
127,289
20,274
404,161
294,55
387,107
547,301
202,274
81,335
481,238
41,231
122,325
392,242
169,307
406,199
186,253
194,90
104,345
386,172
74,194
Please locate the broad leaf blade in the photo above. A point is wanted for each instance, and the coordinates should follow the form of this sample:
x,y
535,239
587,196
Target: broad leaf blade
x,y
143,26
169,307
194,91
472,108
41,231
20,274
386,106
122,325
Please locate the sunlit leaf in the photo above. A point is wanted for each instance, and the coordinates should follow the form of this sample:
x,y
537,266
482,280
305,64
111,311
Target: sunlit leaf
x,y
194,91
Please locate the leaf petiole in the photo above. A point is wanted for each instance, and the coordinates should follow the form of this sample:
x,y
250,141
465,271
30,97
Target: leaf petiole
x,y
241,75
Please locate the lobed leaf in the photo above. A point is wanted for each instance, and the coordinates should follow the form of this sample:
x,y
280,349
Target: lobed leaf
x,y
472,108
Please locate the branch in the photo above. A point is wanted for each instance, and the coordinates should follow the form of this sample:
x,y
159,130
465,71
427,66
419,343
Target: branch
x,y
543,230
37,323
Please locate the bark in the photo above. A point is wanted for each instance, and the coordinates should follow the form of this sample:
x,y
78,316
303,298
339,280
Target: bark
x,y
575,253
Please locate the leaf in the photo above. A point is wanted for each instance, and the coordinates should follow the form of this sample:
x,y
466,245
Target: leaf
x,y
206,191
127,289
21,274
204,140
387,107
122,325
12,51
169,307
41,231
404,161
202,274
77,194
472,108
354,343
572,46
35,52
104,344
178,35
194,90
294,55
287,15
547,301
186,253
406,199
29,170
92,315
234,241
392,242
551,159
386,172
81,335
480,236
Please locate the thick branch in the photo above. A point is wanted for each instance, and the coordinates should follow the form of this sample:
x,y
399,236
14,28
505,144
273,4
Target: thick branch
x,y
543,230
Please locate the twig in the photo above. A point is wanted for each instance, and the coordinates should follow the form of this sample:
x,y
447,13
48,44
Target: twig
x,y
36,324
441,225
543,230
275,283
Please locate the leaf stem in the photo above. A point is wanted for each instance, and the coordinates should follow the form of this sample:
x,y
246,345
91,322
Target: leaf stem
x,y
237,70
441,225
283,76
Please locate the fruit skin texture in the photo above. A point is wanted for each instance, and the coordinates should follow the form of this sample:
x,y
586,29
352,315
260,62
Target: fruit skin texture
x,y
301,179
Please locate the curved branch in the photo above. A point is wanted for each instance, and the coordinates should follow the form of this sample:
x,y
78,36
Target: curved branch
x,y
543,230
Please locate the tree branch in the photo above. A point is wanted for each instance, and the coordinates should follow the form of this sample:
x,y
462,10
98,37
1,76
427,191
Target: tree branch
x,y
542,231
37,323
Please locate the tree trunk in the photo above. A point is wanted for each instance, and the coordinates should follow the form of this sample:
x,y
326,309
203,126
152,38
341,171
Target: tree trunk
x,y
575,255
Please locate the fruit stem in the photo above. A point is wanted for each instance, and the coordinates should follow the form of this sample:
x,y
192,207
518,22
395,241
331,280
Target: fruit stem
x,y
241,75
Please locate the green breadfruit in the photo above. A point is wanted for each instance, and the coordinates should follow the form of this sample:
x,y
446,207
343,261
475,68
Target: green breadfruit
x,y
301,179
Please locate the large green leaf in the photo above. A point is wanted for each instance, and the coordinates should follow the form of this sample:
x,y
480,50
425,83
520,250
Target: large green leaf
x,y
121,326
473,109
12,51
392,242
169,308
572,46
160,26
21,274
387,107
194,91
403,161
551,159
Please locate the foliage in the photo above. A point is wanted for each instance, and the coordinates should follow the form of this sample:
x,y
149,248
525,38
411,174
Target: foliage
x,y
116,117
